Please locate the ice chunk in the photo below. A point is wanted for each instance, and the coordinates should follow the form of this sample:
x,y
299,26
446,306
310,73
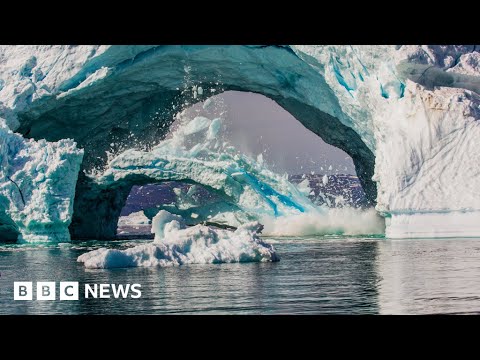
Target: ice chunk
x,y
207,103
161,220
135,218
214,129
176,245
260,159
199,123
304,186
244,189
325,179
37,185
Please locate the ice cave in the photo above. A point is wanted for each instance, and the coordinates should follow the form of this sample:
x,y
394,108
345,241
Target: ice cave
x,y
81,125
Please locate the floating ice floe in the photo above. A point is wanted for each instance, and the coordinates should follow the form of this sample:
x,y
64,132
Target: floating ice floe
x,y
175,244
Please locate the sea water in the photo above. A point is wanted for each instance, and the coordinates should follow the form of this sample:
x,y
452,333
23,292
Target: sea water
x,y
316,275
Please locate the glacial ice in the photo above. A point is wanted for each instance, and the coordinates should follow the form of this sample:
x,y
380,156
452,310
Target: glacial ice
x,y
175,244
37,185
422,129
408,115
135,218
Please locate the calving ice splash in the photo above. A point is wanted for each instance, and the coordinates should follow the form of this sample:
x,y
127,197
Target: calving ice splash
x,y
245,194
242,189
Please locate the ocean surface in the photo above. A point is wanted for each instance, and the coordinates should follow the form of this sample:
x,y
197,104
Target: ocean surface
x,y
324,275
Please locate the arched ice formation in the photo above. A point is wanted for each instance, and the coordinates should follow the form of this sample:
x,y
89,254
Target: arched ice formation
x,y
407,115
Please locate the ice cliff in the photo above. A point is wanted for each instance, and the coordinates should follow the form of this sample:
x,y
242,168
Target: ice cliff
x,y
37,186
408,116
417,110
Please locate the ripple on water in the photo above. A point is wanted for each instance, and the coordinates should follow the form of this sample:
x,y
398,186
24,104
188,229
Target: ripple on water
x,y
314,276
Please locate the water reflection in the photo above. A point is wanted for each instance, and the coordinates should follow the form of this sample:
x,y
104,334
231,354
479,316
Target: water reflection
x,y
313,276
429,276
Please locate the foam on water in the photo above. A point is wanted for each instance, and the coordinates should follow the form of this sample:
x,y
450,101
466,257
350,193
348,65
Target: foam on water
x,y
336,221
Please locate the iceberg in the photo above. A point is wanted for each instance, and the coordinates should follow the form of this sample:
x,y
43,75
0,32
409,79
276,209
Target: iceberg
x,y
135,218
37,186
175,244
407,115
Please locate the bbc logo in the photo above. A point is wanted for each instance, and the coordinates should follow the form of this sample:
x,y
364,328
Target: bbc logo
x,y
46,290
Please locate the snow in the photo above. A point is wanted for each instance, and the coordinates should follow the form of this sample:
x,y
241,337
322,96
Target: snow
x,y
175,244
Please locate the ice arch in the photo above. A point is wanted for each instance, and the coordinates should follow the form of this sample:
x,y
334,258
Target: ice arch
x,y
410,130
137,96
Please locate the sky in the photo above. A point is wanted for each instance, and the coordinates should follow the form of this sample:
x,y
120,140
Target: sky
x,y
256,124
